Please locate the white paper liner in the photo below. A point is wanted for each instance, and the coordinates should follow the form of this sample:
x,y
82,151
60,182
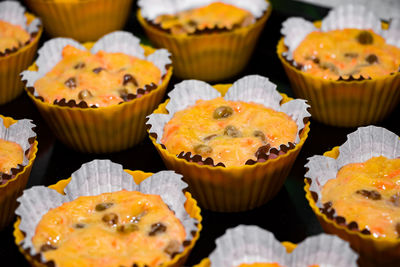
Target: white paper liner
x,y
20,133
14,13
361,145
94,178
151,9
252,88
348,16
51,53
251,244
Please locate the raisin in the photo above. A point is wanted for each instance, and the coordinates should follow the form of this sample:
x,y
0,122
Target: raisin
x,y
70,83
365,38
47,247
351,55
97,70
110,218
222,112
172,247
232,131
330,66
79,225
103,206
395,199
157,228
130,79
371,59
373,194
208,138
316,60
127,228
84,94
259,134
80,65
202,149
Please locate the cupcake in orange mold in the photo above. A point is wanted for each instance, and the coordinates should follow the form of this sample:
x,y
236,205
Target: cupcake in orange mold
x,y
105,218
85,20
96,100
354,191
251,246
217,142
19,36
347,65
18,149
209,40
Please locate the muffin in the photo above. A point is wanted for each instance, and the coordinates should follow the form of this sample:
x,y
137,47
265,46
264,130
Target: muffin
x,y
251,246
230,164
18,152
347,65
133,223
97,100
353,191
84,21
19,36
209,40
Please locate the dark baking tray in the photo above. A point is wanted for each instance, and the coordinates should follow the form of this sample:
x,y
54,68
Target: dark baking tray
x,y
288,215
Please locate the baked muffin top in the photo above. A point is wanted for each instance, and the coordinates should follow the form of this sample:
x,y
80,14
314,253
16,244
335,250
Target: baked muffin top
x,y
12,36
100,79
230,132
111,229
367,193
11,155
345,52
216,15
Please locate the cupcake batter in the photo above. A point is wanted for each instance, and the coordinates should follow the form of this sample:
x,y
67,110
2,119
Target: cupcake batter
x,y
12,36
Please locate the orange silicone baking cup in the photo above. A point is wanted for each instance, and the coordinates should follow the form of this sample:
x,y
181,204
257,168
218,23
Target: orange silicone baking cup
x,y
344,103
190,206
103,129
236,188
288,246
208,56
12,64
12,189
82,20
373,251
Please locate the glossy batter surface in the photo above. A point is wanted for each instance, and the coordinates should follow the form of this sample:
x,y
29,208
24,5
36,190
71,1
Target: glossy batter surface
x,y
12,36
227,131
11,154
347,52
111,229
369,194
102,79
215,15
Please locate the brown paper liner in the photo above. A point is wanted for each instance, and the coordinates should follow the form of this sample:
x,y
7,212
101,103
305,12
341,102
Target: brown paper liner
x,y
373,251
178,260
104,129
12,188
235,188
83,20
12,64
208,56
346,103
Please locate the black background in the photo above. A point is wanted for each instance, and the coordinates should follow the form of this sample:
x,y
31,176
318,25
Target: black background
x,y
288,215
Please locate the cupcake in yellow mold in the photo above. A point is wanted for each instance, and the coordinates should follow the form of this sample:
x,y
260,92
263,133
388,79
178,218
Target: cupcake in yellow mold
x,y
209,50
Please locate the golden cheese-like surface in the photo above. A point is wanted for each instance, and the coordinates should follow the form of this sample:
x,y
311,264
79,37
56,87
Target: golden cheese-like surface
x,y
102,79
347,52
227,131
368,193
12,36
215,15
111,229
11,154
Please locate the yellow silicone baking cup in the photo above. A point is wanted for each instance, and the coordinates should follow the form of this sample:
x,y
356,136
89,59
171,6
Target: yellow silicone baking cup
x,y
373,251
236,188
103,129
190,206
82,20
208,56
12,189
344,103
288,246
11,65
